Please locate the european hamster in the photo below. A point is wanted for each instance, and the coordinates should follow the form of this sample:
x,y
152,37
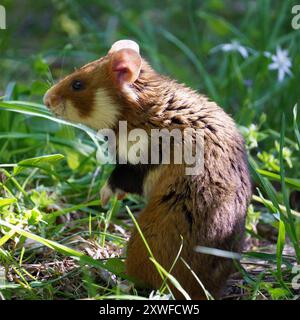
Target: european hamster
x,y
207,209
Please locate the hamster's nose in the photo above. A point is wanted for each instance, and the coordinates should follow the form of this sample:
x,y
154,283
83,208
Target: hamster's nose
x,y
47,100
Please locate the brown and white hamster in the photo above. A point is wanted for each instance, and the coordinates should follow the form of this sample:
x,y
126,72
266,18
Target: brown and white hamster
x,y
207,209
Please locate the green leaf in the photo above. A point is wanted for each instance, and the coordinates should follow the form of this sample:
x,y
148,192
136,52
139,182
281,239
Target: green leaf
x,y
33,216
278,293
40,66
115,264
39,110
39,88
7,202
291,182
267,186
6,237
37,161
266,257
72,158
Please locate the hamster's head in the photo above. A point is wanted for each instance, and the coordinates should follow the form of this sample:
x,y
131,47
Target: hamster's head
x,y
96,93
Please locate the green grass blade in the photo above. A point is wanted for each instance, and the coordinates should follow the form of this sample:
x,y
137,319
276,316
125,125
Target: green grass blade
x,y
296,128
290,223
175,283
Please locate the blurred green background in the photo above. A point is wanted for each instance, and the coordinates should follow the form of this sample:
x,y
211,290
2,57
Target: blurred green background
x,y
176,36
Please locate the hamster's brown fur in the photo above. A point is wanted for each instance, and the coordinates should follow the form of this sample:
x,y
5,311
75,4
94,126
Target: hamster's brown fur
x,y
208,209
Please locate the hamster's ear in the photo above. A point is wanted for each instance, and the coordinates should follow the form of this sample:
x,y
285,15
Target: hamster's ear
x,y
125,61
124,44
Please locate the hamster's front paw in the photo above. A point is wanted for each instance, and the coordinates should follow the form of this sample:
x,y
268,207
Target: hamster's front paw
x,y
106,193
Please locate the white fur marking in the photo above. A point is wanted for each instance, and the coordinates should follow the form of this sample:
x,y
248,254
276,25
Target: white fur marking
x,y
104,114
105,194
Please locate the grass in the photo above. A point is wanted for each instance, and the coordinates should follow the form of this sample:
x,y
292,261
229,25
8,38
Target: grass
x,y
56,240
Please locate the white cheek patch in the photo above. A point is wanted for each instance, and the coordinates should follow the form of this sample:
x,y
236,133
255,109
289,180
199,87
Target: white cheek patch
x,y
70,113
104,115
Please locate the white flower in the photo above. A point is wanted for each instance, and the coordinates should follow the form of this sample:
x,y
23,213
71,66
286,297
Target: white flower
x,y
281,62
157,296
233,46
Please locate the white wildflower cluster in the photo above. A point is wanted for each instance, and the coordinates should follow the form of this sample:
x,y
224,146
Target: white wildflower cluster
x,y
280,60
158,296
282,63
233,46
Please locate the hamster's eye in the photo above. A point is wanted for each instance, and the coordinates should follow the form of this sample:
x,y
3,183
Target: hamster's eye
x,y
77,85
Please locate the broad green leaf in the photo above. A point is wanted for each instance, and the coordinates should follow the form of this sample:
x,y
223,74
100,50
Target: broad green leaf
x,y
291,182
37,161
6,237
115,264
278,293
35,109
7,202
